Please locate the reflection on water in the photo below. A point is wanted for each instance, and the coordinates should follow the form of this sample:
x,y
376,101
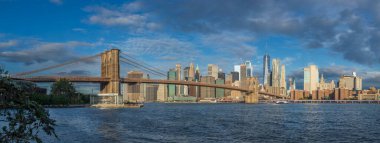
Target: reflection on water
x,y
220,123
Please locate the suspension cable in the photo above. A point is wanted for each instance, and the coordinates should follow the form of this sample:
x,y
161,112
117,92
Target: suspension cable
x,y
56,66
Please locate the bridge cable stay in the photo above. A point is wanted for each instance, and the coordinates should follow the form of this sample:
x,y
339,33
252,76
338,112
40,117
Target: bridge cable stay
x,y
140,61
56,66
142,68
129,61
134,65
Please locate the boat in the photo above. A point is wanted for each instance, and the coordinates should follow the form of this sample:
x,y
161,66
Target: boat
x,y
208,100
281,102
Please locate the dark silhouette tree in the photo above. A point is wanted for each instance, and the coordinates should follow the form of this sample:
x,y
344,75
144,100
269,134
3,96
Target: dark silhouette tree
x,y
22,120
63,87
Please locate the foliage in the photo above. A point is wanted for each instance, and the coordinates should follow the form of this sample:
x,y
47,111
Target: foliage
x,y
63,87
63,93
22,119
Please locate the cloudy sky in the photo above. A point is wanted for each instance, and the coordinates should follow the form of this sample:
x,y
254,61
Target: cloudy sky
x,y
340,36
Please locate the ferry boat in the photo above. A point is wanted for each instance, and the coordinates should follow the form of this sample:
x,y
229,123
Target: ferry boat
x,y
208,100
281,102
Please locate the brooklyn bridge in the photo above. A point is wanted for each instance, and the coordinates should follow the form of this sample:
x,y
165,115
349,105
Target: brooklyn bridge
x,y
110,80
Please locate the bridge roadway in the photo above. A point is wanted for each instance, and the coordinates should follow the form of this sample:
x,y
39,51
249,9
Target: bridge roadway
x,y
136,80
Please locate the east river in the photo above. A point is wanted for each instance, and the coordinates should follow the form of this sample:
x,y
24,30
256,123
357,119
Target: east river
x,y
220,123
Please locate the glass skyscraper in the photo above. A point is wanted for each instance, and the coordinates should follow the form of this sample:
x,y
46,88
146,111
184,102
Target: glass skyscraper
x,y
266,69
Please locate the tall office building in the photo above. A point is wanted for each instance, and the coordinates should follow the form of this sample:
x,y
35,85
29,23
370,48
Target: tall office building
x,y
219,92
212,70
283,77
197,75
275,73
351,82
243,72
171,90
310,78
249,66
191,71
235,76
186,72
292,83
207,92
266,69
221,75
178,71
135,91
237,69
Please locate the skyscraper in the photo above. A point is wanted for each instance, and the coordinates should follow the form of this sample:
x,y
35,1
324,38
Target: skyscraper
x,y
171,90
283,79
191,71
266,69
276,73
310,78
249,66
178,71
221,75
243,72
197,75
237,69
235,76
213,70
186,72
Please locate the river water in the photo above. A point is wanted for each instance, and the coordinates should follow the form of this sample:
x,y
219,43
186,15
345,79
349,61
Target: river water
x,y
220,123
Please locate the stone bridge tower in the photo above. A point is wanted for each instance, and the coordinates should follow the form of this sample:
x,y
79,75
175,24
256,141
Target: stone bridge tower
x,y
110,68
253,85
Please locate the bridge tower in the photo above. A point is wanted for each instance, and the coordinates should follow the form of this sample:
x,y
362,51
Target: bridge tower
x,y
110,68
253,85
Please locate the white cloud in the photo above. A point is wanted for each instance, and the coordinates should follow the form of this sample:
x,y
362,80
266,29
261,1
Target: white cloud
x,y
233,45
126,15
57,2
81,30
9,43
40,52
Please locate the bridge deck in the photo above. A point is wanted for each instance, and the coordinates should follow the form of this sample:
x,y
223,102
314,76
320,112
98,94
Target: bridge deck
x,y
137,80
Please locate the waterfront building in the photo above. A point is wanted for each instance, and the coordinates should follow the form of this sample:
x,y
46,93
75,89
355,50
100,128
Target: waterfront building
x,y
266,69
219,92
172,75
326,85
275,73
311,78
134,92
351,82
213,70
162,93
249,69
151,92
207,92
371,94
228,81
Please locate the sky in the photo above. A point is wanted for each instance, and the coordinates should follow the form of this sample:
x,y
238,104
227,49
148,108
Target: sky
x,y
339,36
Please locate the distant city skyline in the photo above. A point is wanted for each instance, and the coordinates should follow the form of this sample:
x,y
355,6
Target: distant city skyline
x,y
166,34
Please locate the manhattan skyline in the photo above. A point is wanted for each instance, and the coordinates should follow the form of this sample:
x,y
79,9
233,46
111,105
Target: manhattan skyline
x,y
225,34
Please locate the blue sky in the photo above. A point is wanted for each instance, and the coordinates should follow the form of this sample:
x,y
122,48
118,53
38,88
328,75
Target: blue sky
x,y
340,37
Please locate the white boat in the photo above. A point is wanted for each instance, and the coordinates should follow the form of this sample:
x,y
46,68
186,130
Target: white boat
x,y
282,102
